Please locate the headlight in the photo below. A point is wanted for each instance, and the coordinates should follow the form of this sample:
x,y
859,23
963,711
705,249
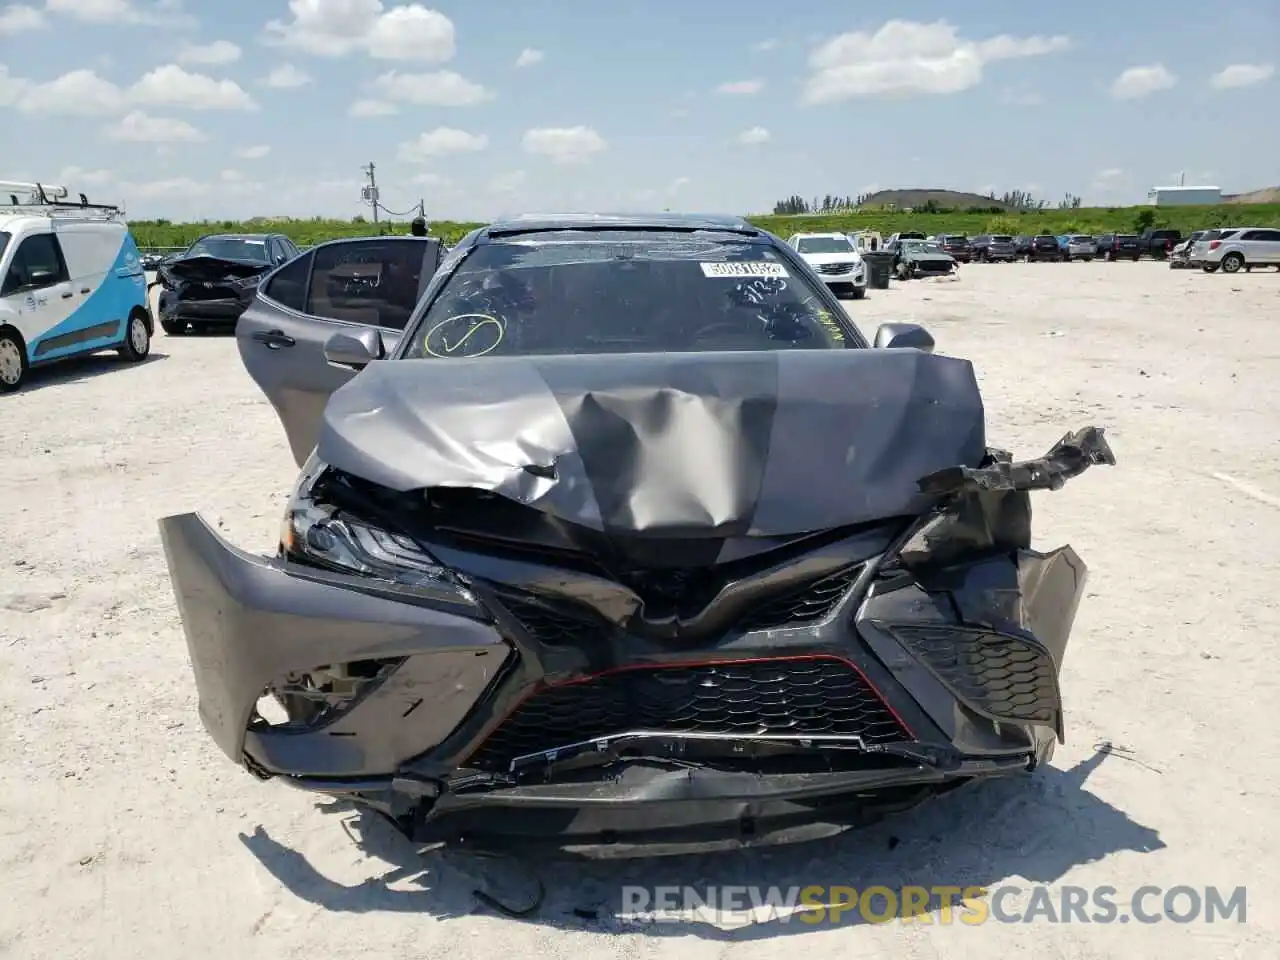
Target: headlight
x,y
247,283
320,534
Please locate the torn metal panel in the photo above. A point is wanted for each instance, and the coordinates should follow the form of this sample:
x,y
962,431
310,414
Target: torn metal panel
x,y
730,444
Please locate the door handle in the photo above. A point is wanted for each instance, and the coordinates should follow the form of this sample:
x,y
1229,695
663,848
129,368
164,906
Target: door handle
x,y
67,295
84,289
274,339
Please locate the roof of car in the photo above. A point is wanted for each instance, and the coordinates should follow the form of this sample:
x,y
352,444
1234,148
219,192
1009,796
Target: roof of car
x,y
238,236
822,236
543,222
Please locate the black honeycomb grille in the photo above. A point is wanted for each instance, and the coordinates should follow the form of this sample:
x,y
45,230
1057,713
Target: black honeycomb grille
x,y
1004,677
805,605
554,624
789,696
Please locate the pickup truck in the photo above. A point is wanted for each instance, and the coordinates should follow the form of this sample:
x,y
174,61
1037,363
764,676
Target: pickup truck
x,y
1158,244
1119,246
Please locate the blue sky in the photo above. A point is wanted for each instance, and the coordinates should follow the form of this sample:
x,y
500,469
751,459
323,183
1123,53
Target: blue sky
x,y
194,108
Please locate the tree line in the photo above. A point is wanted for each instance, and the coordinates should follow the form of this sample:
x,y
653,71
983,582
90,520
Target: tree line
x,y
796,205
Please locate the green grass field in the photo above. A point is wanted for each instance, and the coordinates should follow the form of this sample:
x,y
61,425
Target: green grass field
x,y
1092,220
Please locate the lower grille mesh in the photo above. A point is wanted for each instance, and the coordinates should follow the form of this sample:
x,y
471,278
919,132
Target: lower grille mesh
x,y
791,696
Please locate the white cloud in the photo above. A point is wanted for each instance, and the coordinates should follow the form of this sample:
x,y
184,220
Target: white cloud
x,y
139,127
1020,98
236,183
507,182
286,77
764,46
172,86
1238,75
440,142
529,56
443,88
563,144
11,88
158,189
253,153
755,135
209,54
1138,82
19,18
336,28
743,87
161,12
905,58
80,93
371,108
75,178
676,185
433,181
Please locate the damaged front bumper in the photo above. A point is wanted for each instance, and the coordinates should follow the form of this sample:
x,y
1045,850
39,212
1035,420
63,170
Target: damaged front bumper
x,y
946,650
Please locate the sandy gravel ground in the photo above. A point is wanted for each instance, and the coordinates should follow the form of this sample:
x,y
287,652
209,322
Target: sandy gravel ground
x,y
124,833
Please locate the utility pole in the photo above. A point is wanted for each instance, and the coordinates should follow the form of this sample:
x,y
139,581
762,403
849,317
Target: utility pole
x,y
370,193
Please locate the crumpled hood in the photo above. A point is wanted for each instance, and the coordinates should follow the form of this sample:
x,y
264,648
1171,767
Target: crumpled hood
x,y
205,268
724,444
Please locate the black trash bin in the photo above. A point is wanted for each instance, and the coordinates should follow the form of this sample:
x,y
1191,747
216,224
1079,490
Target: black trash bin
x,y
879,268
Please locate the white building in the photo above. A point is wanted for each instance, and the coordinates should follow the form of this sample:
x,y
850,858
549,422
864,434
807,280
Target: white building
x,y
1184,196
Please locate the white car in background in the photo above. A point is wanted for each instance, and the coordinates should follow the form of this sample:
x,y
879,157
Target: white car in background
x,y
1236,248
835,260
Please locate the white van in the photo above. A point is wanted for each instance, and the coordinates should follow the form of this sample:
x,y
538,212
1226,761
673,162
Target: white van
x,y
72,281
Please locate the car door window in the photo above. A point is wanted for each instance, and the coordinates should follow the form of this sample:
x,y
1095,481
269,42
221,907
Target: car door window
x,y
372,282
288,285
37,263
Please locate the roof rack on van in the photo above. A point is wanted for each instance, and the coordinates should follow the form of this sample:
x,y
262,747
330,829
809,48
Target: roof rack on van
x,y
47,199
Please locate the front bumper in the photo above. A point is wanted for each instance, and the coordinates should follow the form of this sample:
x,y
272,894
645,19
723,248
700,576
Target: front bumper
x,y
408,745
856,277
173,307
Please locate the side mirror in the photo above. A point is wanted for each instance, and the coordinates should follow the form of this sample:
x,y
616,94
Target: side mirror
x,y
39,278
355,350
904,336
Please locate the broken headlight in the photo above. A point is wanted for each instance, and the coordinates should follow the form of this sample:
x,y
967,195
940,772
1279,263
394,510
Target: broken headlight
x,y
320,534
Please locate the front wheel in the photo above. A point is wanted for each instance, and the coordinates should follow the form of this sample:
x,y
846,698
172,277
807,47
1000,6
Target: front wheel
x,y
1210,268
1232,263
13,360
137,339
859,293
173,328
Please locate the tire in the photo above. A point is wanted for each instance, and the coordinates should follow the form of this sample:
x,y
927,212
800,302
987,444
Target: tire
x,y
1232,263
137,338
859,293
173,328
1088,259
13,360
1210,268
1066,258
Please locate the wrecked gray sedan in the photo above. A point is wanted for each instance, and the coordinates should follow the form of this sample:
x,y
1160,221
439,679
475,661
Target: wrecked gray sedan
x,y
626,534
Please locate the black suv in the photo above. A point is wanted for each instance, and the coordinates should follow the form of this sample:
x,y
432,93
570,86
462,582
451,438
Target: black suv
x,y
958,246
1119,246
1042,246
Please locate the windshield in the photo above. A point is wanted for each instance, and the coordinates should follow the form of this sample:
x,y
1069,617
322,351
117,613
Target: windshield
x,y
251,249
957,240
574,292
1082,239
921,246
1002,239
824,245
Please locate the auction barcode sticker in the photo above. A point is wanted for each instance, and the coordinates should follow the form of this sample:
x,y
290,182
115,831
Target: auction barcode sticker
x,y
760,269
